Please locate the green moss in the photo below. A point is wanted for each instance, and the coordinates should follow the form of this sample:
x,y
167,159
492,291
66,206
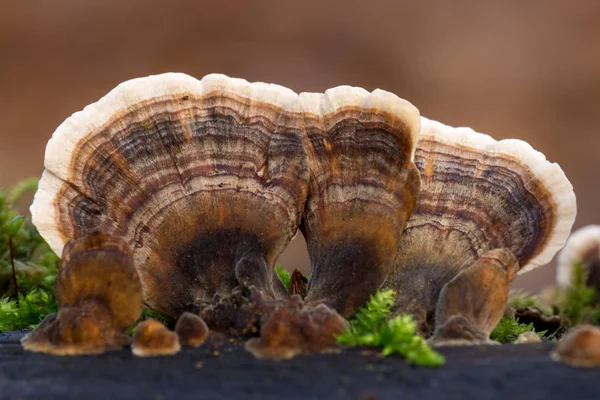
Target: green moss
x,y
578,301
372,326
509,329
284,275
35,266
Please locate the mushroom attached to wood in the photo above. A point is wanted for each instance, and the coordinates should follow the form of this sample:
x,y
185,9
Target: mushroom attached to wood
x,y
477,194
583,247
99,296
205,179
191,329
151,338
293,328
363,187
473,302
580,347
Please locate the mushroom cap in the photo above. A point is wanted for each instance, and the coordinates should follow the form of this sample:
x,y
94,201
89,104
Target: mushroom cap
x,y
484,194
197,175
478,194
151,338
362,190
191,329
99,268
582,247
76,331
580,347
193,174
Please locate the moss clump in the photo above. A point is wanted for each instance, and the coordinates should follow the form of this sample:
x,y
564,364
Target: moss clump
x,y
35,266
372,326
509,329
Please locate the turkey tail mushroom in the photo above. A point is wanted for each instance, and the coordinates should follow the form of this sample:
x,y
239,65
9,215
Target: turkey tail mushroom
x,y
99,295
477,194
363,188
205,179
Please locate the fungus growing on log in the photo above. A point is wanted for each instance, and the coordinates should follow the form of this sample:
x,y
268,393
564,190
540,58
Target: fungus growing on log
x,y
583,247
151,338
205,179
363,188
477,195
293,328
475,297
191,329
99,296
580,347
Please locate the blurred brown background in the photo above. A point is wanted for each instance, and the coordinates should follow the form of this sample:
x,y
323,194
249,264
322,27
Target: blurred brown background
x,y
524,69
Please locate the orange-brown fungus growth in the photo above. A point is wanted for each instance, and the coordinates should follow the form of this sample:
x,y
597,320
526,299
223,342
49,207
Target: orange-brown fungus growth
x,y
191,329
580,347
151,338
99,296
296,328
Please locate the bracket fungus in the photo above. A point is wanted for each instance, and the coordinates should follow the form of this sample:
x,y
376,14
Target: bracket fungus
x,y
207,181
583,247
477,194
363,187
99,296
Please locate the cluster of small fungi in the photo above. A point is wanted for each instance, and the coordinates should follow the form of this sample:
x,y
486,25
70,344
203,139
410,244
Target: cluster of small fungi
x,y
179,194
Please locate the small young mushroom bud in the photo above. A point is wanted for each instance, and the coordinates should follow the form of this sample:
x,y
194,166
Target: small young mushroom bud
x,y
99,296
580,347
528,337
205,179
583,248
363,187
151,338
478,294
191,329
477,194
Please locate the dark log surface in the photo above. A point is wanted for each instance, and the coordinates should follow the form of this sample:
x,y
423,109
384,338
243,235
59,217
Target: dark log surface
x,y
508,372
